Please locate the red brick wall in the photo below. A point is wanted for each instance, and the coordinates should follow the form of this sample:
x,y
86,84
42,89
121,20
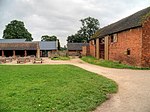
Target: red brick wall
x,y
92,48
85,51
146,44
130,39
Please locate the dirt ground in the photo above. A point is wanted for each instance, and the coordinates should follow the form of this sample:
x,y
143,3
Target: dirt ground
x,y
134,86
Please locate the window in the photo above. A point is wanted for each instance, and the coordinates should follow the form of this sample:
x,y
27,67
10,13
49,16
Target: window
x,y
113,38
128,51
102,40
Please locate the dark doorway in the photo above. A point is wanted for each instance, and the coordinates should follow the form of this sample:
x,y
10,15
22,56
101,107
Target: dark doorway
x,y
44,53
31,52
8,53
102,47
20,53
0,52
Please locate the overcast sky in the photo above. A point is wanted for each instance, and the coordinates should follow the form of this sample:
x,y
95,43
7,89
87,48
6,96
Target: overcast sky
x,y
61,17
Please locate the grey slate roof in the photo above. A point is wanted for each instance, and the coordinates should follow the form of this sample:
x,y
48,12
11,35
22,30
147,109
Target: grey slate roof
x,y
12,40
76,46
48,45
129,22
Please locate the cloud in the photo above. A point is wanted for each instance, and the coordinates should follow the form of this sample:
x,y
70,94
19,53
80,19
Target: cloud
x,y
61,17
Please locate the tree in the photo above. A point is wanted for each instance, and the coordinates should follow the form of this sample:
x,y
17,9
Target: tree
x,y
50,38
89,27
77,38
16,30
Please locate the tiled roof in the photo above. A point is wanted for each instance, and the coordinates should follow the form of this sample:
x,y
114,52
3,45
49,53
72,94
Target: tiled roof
x,y
129,22
48,45
19,46
76,46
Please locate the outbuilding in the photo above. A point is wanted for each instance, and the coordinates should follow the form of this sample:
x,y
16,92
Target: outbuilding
x,y
20,47
126,41
75,49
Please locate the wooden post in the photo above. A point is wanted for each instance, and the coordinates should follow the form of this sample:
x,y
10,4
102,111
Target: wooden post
x,y
25,53
38,53
3,53
106,48
14,54
97,48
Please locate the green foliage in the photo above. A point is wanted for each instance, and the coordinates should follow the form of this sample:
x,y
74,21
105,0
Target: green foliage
x,y
63,48
61,58
51,88
107,63
145,17
89,27
50,38
16,30
77,38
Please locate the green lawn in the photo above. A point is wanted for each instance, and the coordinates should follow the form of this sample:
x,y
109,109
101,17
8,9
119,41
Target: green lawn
x,y
110,64
51,88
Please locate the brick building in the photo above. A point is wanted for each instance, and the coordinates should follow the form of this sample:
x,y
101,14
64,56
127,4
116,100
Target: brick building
x,y
126,41
75,49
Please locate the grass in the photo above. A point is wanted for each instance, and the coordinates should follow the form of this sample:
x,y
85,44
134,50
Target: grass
x,y
109,64
61,58
51,88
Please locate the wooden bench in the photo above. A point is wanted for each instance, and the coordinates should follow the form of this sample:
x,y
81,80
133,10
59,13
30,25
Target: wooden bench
x,y
27,59
8,59
3,59
21,60
37,60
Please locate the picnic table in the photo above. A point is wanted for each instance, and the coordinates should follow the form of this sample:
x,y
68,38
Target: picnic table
x,y
21,60
3,59
37,60
27,59
8,59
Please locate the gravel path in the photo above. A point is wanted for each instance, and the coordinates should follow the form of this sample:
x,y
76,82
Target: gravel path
x,y
134,87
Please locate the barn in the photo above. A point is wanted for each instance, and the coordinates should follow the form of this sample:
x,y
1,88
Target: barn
x,y
126,41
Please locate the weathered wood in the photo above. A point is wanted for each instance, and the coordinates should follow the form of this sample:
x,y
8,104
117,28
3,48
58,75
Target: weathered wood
x,y
21,60
3,59
38,60
106,47
8,59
